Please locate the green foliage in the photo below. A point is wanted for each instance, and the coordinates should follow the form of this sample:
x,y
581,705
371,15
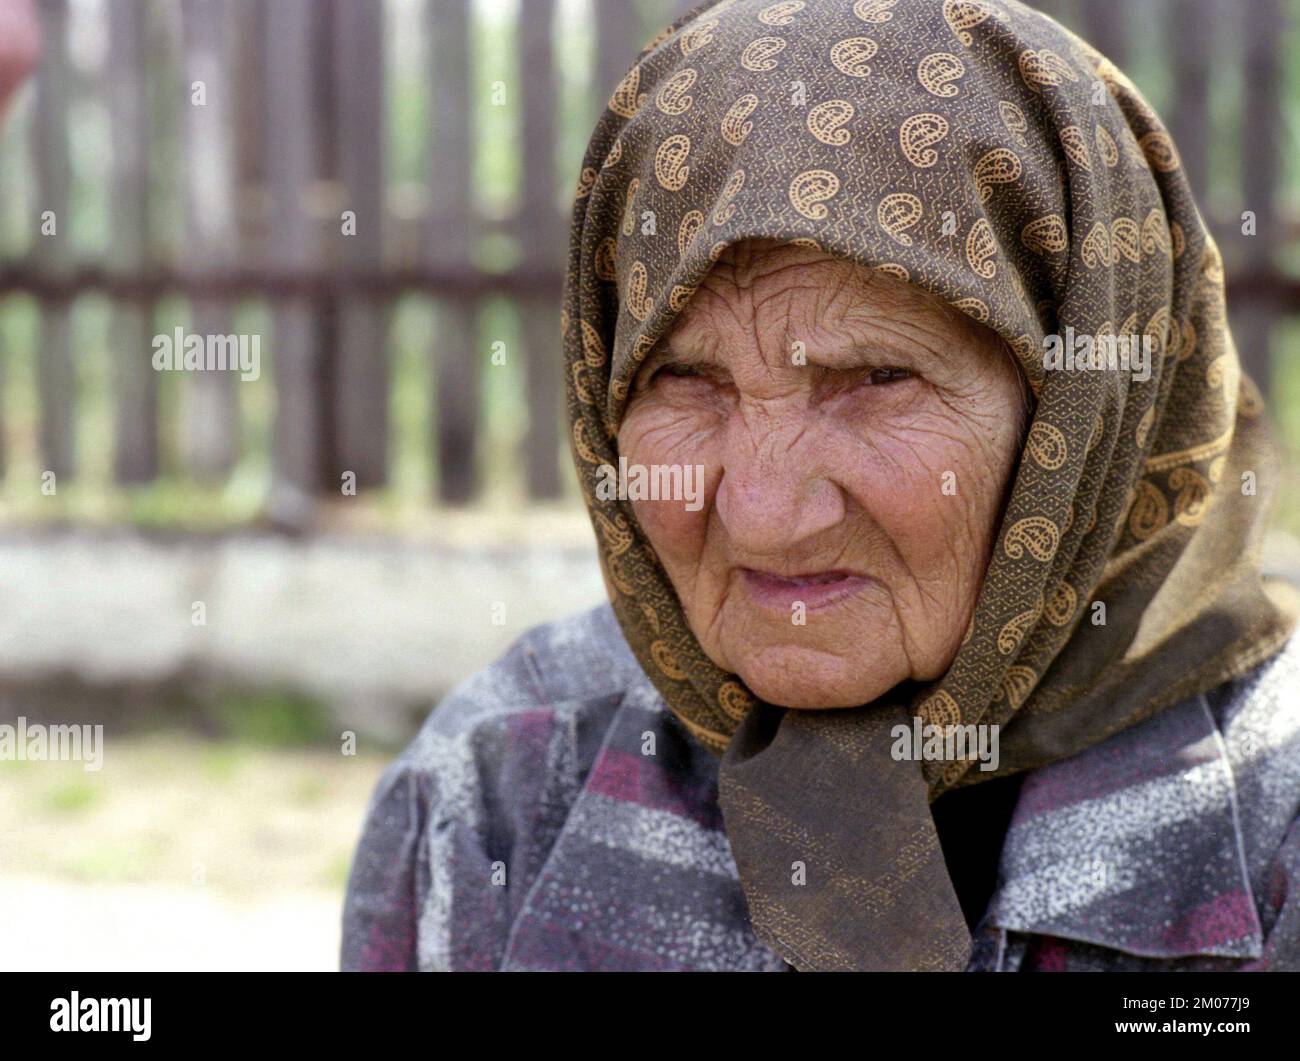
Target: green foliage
x,y
272,718
72,796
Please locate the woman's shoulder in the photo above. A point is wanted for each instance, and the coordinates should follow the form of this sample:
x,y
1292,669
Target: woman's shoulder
x,y
531,721
1258,716
1174,842
466,821
1270,685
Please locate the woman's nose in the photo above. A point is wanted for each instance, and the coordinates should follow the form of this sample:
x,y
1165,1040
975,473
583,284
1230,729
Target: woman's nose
x,y
774,494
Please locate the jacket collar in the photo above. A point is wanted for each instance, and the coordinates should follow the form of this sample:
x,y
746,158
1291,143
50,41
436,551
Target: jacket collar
x,y
1135,844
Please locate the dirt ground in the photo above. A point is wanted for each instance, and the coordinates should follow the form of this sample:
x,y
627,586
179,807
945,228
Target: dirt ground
x,y
179,854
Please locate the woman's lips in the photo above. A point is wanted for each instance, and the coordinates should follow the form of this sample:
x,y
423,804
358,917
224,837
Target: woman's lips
x,y
816,590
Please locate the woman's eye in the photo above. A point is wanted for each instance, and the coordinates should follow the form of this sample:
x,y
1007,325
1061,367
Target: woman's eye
x,y
887,375
676,371
680,371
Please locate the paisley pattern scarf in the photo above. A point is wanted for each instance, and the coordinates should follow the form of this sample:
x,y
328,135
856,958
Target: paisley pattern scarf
x,y
981,151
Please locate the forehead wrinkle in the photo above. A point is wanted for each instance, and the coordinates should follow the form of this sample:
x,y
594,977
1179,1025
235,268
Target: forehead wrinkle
x,y
851,307
750,262
904,337
754,299
867,320
704,326
845,293
696,344
916,324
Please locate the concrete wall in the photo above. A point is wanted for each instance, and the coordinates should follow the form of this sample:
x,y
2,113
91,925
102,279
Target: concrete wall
x,y
373,627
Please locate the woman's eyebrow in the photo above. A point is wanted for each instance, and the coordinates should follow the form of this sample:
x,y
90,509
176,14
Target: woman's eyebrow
x,y
852,350
670,349
847,348
908,340
661,354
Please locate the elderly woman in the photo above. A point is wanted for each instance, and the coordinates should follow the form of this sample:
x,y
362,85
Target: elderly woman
x,y
904,406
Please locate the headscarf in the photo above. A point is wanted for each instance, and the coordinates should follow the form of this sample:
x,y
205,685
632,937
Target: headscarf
x,y
984,153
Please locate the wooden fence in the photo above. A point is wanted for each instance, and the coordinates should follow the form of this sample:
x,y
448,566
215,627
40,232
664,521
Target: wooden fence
x,y
296,126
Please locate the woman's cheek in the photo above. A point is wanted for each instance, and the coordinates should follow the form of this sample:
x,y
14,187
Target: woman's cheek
x,y
680,449
675,532
919,480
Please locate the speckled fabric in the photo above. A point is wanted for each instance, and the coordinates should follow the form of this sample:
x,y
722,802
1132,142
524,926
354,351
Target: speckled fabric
x,y
554,815
981,151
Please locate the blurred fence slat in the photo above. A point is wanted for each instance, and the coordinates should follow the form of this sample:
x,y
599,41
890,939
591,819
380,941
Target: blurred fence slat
x,y
212,413
1053,8
300,441
618,39
1253,319
455,349
135,458
56,380
540,231
1193,54
248,29
1104,24
361,360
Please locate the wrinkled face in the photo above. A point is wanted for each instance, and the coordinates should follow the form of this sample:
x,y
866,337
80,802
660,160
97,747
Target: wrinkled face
x,y
857,436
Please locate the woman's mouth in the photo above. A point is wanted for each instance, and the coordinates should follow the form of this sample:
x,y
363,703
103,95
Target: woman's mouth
x,y
815,590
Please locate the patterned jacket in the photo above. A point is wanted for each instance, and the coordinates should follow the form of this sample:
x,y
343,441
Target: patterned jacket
x,y
553,815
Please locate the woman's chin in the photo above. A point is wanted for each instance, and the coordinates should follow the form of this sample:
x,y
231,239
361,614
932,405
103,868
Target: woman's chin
x,y
810,679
